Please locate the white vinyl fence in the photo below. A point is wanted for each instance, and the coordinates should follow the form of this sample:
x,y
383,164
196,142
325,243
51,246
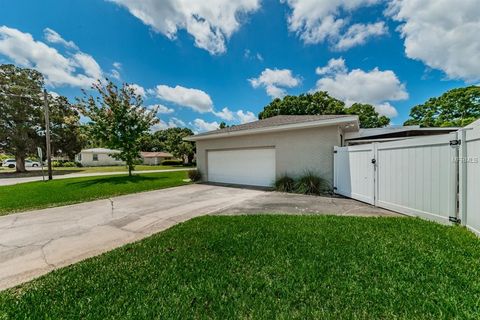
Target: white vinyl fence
x,y
413,176
470,179
434,177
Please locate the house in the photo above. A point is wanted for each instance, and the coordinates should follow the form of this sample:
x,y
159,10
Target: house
x,y
97,157
257,153
155,158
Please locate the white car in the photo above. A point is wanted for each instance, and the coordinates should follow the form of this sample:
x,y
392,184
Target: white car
x,y
11,163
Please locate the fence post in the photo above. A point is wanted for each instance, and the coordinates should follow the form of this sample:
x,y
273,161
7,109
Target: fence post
x,y
462,160
375,173
453,190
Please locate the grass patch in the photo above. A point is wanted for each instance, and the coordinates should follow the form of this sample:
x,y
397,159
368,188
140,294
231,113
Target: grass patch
x,y
10,173
265,267
39,194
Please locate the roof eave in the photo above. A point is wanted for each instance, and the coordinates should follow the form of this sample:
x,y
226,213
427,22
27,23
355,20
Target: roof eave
x,y
286,127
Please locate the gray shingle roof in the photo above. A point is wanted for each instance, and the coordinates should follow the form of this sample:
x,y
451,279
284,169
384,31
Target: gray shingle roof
x,y
273,122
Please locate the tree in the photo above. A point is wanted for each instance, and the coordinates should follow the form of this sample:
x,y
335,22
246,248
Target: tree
x,y
118,119
172,139
320,103
455,108
21,106
66,133
368,116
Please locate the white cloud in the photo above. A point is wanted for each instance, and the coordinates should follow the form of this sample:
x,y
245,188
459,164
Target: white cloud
x,y
275,81
139,90
164,109
386,109
201,125
358,34
196,99
250,56
317,21
117,65
225,114
375,87
161,109
333,66
115,72
211,22
78,69
245,117
172,123
444,35
53,37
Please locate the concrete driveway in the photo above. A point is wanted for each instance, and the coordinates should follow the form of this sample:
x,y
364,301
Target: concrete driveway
x,y
36,242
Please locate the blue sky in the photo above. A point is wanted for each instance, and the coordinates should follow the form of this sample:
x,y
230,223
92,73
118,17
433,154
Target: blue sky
x,y
217,60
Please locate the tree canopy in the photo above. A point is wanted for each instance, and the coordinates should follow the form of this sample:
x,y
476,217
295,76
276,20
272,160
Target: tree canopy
x,y
21,106
118,119
455,108
320,103
170,140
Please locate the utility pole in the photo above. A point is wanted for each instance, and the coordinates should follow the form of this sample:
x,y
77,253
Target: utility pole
x,y
47,135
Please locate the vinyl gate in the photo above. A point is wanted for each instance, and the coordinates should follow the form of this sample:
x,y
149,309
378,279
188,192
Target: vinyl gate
x,y
469,161
414,176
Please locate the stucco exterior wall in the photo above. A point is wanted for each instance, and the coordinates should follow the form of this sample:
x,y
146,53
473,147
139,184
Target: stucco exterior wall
x,y
296,150
103,160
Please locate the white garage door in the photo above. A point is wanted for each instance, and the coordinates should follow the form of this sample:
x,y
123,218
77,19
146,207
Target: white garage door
x,y
255,167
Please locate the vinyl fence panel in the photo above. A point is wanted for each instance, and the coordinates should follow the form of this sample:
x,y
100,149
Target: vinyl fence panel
x,y
471,191
354,172
418,177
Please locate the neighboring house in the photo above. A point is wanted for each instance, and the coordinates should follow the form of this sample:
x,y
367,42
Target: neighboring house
x,y
392,133
258,152
155,158
97,157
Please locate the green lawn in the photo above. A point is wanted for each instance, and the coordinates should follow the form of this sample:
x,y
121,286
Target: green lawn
x,y
33,195
266,267
7,172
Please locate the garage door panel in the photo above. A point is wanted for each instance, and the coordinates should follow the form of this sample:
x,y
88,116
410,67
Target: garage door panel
x,y
254,167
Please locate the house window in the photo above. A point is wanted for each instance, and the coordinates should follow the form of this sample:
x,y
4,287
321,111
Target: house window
x,y
79,157
95,157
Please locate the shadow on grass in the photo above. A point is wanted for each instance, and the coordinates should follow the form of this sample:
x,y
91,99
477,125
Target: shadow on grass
x,y
36,173
114,180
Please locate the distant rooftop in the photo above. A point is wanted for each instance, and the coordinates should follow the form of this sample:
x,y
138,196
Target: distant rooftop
x,y
155,154
100,150
397,131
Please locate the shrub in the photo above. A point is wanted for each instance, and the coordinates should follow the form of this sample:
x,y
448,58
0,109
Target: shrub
x,y
69,164
57,164
172,162
310,183
194,175
79,164
284,184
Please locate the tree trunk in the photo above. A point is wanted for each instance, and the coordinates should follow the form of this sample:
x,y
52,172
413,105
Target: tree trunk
x,y
130,170
20,164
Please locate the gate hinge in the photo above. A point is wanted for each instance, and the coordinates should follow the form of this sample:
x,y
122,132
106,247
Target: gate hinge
x,y
454,219
334,151
454,143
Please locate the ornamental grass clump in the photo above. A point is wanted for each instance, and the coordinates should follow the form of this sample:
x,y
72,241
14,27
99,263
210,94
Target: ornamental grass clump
x,y
194,175
284,184
312,184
